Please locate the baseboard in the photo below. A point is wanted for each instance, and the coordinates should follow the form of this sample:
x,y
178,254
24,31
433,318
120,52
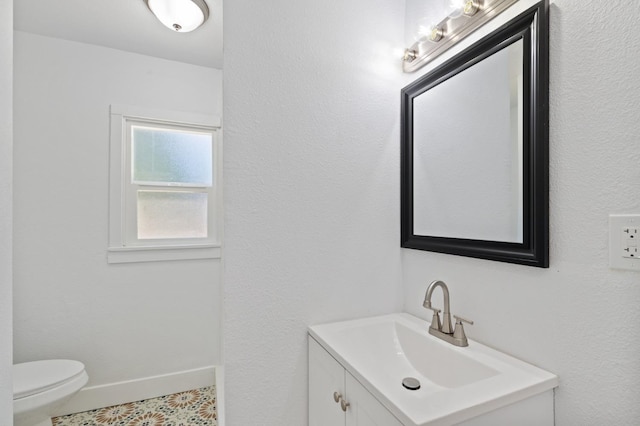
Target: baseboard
x,y
93,397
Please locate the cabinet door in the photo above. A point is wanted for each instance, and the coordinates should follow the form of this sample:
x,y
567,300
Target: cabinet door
x,y
364,409
326,376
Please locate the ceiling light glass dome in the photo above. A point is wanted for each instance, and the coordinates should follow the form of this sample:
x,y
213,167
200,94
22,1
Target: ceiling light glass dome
x,y
180,15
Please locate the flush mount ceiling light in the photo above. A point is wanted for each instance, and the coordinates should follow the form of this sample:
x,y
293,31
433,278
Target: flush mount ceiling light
x,y
179,15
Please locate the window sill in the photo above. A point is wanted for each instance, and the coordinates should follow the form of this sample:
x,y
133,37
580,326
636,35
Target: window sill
x,y
162,253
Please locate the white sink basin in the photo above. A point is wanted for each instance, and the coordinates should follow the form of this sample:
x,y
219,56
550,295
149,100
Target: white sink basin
x,y
456,383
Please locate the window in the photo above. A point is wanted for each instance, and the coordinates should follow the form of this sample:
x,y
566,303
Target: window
x,y
165,186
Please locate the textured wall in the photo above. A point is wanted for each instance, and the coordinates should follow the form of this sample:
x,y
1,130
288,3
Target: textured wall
x,y
125,321
578,319
6,164
311,187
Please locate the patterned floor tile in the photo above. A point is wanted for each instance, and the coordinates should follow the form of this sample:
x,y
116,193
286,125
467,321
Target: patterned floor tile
x,y
191,408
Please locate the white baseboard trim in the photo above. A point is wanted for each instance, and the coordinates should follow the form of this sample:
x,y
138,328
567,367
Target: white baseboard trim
x,y
93,397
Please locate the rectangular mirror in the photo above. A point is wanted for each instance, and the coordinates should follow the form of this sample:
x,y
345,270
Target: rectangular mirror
x,y
475,149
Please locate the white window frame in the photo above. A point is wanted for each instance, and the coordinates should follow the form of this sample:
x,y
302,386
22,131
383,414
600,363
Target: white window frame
x,y
124,246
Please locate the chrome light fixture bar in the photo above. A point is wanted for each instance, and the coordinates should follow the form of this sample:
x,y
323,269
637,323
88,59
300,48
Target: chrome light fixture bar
x,y
179,15
450,31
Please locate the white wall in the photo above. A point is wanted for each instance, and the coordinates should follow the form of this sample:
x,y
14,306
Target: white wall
x,y
578,319
6,164
124,321
311,187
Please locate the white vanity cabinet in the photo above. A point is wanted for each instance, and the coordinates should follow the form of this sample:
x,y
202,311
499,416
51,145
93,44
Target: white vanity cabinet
x,y
364,361
328,382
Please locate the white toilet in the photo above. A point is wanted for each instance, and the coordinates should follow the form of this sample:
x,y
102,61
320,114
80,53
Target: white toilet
x,y
39,387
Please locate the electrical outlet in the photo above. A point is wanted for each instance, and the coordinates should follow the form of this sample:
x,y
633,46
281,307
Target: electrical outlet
x,y
624,237
630,252
630,233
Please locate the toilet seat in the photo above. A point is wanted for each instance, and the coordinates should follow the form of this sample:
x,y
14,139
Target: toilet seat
x,y
31,378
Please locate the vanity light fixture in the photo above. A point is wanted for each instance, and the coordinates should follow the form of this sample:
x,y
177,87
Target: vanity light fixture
x,y
468,16
180,15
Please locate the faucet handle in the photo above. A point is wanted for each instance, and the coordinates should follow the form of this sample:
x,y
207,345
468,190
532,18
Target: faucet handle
x,y
458,333
435,321
460,320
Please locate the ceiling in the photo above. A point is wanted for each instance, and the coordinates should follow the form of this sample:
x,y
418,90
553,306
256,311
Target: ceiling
x,y
125,25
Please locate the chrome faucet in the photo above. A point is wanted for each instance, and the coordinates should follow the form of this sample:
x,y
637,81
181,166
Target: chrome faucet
x,y
444,330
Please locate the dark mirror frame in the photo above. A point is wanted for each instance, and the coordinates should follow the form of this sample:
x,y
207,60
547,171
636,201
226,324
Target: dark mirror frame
x,y
531,27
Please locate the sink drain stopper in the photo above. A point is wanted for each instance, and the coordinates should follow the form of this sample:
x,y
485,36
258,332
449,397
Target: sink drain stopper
x,y
411,383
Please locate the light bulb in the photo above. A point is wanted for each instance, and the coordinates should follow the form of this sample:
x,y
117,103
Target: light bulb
x,y
424,26
470,7
409,55
436,33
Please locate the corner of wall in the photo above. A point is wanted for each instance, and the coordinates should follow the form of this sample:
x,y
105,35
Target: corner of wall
x,y
6,179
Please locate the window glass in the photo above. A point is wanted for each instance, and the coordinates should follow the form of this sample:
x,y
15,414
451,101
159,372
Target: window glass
x,y
165,195
163,156
172,214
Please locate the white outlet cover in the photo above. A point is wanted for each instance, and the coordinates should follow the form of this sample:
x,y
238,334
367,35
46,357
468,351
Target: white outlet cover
x,y
617,224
